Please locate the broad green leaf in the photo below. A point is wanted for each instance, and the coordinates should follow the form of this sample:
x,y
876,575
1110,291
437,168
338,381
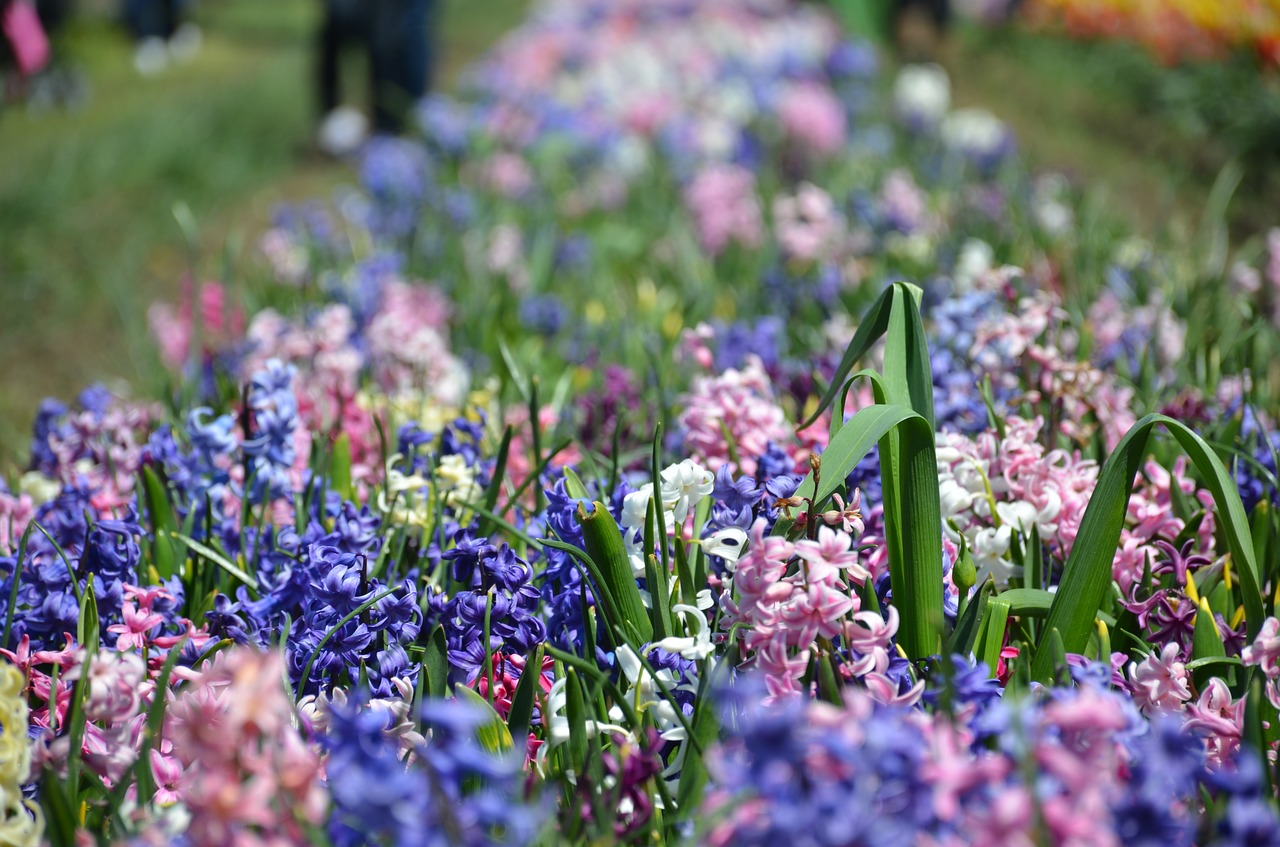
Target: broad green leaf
x,y
1259,714
1036,602
520,718
693,776
573,485
611,568
913,515
992,637
162,522
60,820
493,735
88,628
436,663
495,483
217,558
340,469
1086,576
576,711
18,564
896,314
970,622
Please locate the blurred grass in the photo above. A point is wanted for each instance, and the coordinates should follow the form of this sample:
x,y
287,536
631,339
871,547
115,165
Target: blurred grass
x,y
1084,108
88,238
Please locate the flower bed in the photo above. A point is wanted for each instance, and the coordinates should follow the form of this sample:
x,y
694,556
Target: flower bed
x,y
685,440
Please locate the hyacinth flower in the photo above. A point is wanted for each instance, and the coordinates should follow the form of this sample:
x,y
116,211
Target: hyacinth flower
x,y
346,582
449,790
22,823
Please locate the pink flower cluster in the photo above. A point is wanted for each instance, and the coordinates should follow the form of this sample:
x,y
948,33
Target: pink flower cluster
x,y
811,115
250,778
181,333
786,606
722,200
807,224
121,686
405,348
734,414
1030,349
1160,683
1029,486
1026,485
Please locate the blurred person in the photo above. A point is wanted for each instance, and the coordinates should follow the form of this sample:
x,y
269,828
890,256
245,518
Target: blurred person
x,y
160,33
919,26
345,23
397,35
402,52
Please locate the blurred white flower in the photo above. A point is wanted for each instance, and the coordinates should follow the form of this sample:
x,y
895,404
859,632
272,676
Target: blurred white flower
x,y
922,94
975,132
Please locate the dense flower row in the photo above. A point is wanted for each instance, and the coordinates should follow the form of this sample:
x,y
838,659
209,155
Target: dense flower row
x,y
1173,30
564,545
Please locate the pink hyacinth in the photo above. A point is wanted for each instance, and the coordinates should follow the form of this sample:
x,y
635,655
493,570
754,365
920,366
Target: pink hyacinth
x,y
1220,718
902,202
507,174
813,116
741,404
785,615
722,200
1160,681
250,778
1264,654
177,329
138,623
807,223
16,511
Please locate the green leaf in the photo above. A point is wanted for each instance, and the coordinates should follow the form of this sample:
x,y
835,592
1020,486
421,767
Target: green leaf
x,y
1036,603
693,776
491,495
340,469
576,711
573,485
1057,653
611,569
88,628
1086,576
992,637
1258,714
1206,640
493,735
1206,643
436,664
913,515
162,523
520,718
895,314
60,821
217,558
18,564
970,622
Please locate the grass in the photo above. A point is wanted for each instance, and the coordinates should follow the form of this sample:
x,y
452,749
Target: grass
x,y
88,237
1083,108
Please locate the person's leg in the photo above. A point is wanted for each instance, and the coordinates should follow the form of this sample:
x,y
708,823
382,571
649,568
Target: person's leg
x,y
400,58
383,48
327,60
416,53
